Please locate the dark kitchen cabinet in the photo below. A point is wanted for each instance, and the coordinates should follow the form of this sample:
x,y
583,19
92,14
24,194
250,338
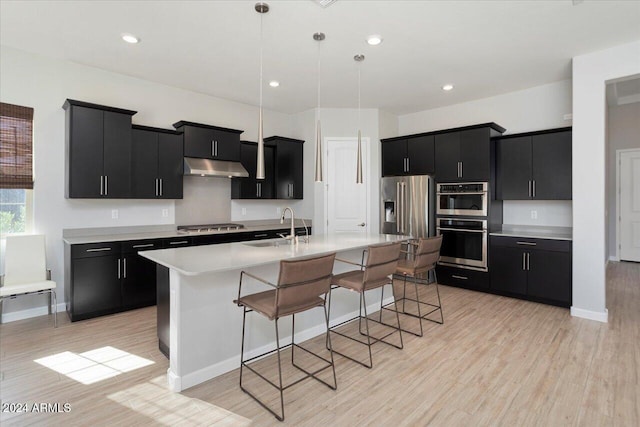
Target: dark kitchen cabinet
x,y
463,155
210,142
535,269
98,146
463,277
92,279
535,165
105,278
157,163
138,275
408,156
250,187
288,167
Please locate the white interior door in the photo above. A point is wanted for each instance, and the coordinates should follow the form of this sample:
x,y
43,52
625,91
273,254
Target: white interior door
x,y
629,205
346,200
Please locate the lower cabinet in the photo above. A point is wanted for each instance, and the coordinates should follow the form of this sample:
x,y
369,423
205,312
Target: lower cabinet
x,y
105,278
109,277
463,278
535,269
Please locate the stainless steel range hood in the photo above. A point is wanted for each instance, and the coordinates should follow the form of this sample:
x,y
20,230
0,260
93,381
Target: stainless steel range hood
x,y
208,167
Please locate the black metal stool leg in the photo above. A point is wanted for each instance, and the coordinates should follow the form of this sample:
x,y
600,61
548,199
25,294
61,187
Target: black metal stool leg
x,y
244,320
280,418
366,321
333,365
397,316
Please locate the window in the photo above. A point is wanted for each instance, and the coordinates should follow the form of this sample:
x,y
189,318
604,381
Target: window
x,y
16,168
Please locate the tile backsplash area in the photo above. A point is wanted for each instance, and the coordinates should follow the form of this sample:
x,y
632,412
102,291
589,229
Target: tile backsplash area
x,y
206,201
538,212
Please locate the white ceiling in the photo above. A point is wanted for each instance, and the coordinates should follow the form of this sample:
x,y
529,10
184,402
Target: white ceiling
x,y
483,47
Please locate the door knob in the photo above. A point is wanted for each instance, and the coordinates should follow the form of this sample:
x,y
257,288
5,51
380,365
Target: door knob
x,y
362,224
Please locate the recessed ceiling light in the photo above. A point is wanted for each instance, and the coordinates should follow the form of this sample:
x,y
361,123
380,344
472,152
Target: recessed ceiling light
x,y
274,83
374,40
447,87
130,38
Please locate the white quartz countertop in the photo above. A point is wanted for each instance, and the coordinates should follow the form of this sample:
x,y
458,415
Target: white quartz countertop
x,y
121,234
196,260
535,232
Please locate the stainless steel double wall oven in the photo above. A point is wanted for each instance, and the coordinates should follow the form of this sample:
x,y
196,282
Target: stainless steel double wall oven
x,y
462,210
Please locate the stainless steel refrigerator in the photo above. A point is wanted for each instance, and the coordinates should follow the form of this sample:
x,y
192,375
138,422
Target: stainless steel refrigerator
x,y
407,205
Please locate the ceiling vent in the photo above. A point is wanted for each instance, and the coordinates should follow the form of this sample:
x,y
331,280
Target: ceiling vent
x,y
324,3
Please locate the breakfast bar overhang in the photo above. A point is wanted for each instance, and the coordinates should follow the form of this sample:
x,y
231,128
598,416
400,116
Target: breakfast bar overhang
x,y
205,326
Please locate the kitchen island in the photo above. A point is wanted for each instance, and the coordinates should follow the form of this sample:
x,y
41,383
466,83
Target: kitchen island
x,y
206,327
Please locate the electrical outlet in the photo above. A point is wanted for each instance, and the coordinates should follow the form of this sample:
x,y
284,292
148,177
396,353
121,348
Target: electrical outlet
x,y
114,213
568,116
244,211
165,213
534,214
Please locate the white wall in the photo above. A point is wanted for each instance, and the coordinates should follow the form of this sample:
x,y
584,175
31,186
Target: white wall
x,y
537,108
541,107
44,84
623,132
590,75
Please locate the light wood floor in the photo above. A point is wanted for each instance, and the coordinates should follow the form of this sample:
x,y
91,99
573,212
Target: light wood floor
x,y
495,361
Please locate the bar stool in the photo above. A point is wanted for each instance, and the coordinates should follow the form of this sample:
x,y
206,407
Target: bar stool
x,y
415,267
382,260
303,284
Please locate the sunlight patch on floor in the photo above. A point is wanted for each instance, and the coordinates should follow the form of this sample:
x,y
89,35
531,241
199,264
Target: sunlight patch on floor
x,y
94,365
155,401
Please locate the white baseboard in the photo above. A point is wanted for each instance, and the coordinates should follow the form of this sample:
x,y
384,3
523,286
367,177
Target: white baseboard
x,y
591,315
177,383
29,313
614,258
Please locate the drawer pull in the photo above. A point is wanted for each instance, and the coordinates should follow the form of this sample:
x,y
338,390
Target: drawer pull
x,y
98,250
526,243
181,242
455,276
260,235
148,245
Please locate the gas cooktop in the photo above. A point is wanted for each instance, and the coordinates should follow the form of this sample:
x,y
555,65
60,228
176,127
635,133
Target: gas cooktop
x,y
208,228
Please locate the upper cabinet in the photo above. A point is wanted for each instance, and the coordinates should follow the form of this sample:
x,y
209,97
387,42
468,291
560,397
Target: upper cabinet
x,y
408,156
210,142
465,154
288,167
98,146
534,165
283,159
157,163
250,187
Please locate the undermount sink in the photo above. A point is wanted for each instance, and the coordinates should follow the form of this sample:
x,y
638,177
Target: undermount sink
x,y
269,243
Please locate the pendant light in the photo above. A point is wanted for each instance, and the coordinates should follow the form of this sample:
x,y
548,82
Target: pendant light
x,y
359,58
261,8
318,37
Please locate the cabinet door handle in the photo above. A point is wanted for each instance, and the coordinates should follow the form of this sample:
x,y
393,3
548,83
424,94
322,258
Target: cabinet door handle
x,y
156,187
261,235
529,193
461,169
106,185
213,148
124,268
98,250
534,188
528,261
459,174
181,242
161,185
148,245
526,243
455,276
101,185
524,261
118,268
408,165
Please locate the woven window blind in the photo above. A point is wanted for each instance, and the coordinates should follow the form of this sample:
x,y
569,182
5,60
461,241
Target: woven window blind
x,y
16,146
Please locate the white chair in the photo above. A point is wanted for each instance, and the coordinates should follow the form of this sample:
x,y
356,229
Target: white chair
x,y
25,271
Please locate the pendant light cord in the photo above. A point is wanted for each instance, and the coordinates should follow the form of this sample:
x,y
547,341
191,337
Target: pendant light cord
x,y
261,43
318,78
359,84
